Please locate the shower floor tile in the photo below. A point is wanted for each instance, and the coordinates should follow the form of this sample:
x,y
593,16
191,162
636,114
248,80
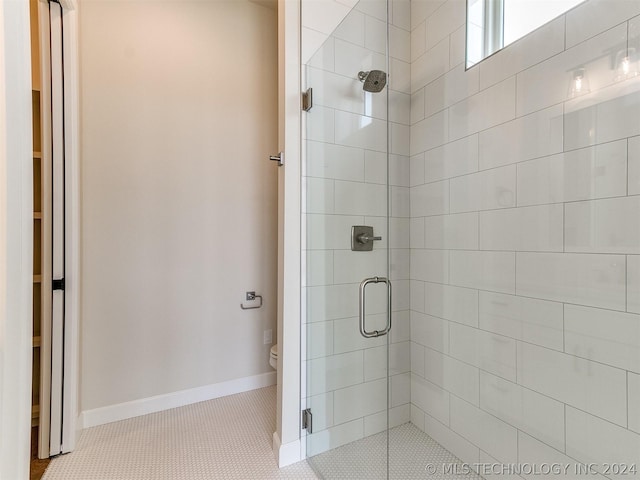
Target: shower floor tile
x,y
411,452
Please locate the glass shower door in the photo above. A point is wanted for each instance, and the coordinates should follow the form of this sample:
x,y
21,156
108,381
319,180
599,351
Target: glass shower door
x,y
514,347
355,182
347,289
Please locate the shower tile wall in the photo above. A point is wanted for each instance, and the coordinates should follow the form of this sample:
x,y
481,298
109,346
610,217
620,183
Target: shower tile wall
x,y
344,183
525,240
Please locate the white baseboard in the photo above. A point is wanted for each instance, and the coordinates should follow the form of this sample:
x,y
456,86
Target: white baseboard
x,y
158,403
286,454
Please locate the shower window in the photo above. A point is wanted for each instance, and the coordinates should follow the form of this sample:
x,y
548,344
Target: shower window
x,y
494,24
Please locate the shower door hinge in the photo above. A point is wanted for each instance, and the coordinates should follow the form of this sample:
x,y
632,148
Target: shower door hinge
x,y
307,420
307,100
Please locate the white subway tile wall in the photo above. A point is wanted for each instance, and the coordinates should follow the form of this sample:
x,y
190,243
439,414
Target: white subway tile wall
x,y
515,234
525,240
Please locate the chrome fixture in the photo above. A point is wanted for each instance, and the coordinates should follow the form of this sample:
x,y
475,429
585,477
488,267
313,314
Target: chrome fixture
x,y
363,287
307,100
277,158
362,238
250,296
307,420
374,81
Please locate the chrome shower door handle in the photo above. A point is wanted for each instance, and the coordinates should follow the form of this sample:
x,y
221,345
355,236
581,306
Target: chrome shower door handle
x,y
363,287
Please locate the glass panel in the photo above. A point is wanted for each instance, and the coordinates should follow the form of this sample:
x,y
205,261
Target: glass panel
x,y
346,184
494,24
516,271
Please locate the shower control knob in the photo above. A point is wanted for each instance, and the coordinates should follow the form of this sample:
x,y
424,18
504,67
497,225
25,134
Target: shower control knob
x,y
364,238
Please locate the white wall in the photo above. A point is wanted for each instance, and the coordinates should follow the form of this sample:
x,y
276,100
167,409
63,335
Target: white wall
x,y
286,438
179,114
16,238
525,240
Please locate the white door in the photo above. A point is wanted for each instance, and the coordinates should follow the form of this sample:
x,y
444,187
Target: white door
x,y
58,227
58,382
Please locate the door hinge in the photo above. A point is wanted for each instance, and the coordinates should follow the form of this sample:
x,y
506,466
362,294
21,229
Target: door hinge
x,y
307,100
307,420
57,284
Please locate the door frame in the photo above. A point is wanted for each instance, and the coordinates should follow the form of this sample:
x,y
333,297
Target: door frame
x,y
16,236
16,239
287,445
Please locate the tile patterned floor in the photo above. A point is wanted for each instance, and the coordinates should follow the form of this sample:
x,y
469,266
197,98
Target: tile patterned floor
x,y
411,455
217,439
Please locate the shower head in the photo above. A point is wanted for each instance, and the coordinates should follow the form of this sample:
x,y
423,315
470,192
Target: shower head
x,y
374,81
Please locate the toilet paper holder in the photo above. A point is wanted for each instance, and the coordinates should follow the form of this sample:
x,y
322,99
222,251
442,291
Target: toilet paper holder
x,y
249,297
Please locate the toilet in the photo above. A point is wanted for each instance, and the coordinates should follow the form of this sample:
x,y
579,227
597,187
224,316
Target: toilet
x,y
273,357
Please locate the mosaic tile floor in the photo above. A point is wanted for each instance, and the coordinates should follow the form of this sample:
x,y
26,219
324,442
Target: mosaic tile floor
x,y
411,455
217,439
